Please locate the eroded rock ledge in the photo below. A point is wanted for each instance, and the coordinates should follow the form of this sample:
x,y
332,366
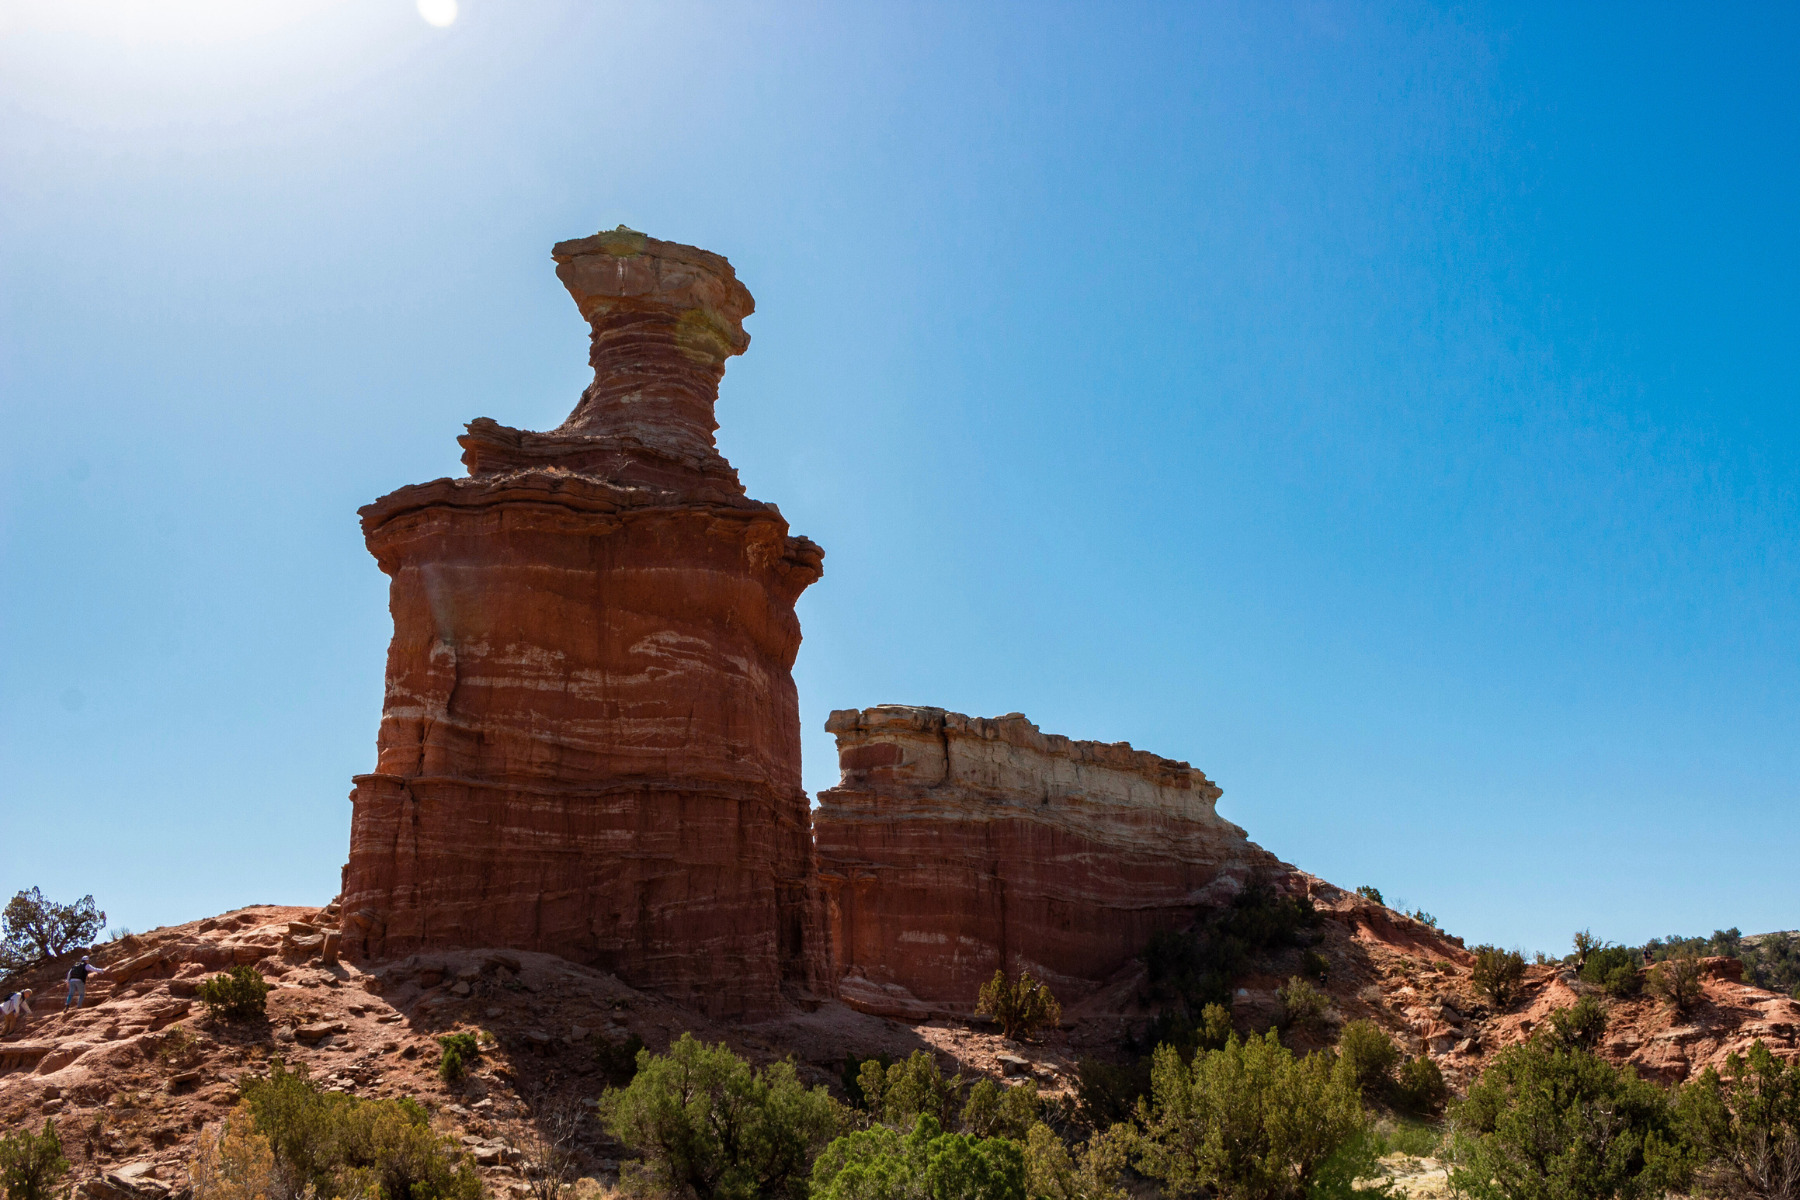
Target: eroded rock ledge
x,y
954,845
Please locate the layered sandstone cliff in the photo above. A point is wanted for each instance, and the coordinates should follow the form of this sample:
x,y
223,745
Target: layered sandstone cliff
x,y
590,741
956,845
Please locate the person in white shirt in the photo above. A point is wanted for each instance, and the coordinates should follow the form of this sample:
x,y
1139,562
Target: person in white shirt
x,y
12,1008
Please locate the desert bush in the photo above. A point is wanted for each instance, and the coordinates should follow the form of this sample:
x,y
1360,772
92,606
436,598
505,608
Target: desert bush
x,y
1314,965
617,1061
1022,1007
1176,1027
460,1050
1302,1004
1249,1122
550,1142
32,1164
1585,944
881,1164
233,1162
240,994
851,1076
1092,1172
1578,1027
1372,894
1419,1086
1107,1094
899,1092
1613,970
34,930
1678,981
1367,1056
332,1144
1498,974
1746,1126
1193,969
709,1126
996,1111
177,1047
1544,1123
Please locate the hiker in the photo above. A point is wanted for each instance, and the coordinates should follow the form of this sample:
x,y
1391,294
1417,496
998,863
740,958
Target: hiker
x,y
77,978
11,1008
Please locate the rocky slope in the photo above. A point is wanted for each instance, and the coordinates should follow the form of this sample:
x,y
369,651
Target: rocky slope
x,y
590,740
134,1077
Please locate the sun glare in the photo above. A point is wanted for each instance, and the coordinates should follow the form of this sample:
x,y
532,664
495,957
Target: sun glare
x,y
441,13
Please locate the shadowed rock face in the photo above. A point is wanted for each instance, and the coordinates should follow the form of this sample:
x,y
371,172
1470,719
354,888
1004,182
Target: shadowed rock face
x,y
590,742
956,845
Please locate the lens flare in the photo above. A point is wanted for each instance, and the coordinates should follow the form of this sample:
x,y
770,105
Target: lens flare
x,y
439,13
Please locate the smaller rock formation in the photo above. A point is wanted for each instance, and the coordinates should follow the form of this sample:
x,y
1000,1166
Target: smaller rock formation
x,y
955,845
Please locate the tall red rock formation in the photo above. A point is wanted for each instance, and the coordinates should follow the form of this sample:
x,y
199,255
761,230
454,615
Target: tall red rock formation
x,y
590,743
955,845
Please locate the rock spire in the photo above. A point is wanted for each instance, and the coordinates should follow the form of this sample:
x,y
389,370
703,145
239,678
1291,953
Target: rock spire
x,y
590,740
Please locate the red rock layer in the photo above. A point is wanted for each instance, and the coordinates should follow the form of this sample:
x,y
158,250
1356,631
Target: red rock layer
x,y
590,743
955,845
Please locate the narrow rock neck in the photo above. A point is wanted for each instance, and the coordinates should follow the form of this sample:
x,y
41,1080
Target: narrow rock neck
x,y
656,379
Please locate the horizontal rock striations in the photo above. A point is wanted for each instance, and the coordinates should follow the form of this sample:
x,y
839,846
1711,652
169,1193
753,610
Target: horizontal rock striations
x,y
955,845
590,740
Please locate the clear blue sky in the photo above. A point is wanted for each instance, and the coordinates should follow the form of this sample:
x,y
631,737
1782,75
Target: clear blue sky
x,y
1390,410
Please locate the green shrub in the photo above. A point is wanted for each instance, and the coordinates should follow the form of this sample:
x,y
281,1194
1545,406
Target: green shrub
x,y
239,995
1419,1086
1190,970
332,1144
1372,894
1678,981
460,1052
1249,1122
1746,1126
710,1127
880,1164
1302,1004
1367,1056
1613,970
1578,1027
1410,1137
617,1061
32,1165
996,1111
899,1092
851,1076
1175,1027
1092,1172
1544,1123
1585,944
1314,965
1107,1094
1498,974
1022,1007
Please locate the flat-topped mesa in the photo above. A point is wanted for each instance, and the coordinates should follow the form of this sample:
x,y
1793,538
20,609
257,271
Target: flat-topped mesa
x,y
590,741
1006,759
956,845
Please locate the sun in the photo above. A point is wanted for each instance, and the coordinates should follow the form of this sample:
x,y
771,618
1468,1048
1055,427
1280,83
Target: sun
x,y
441,13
